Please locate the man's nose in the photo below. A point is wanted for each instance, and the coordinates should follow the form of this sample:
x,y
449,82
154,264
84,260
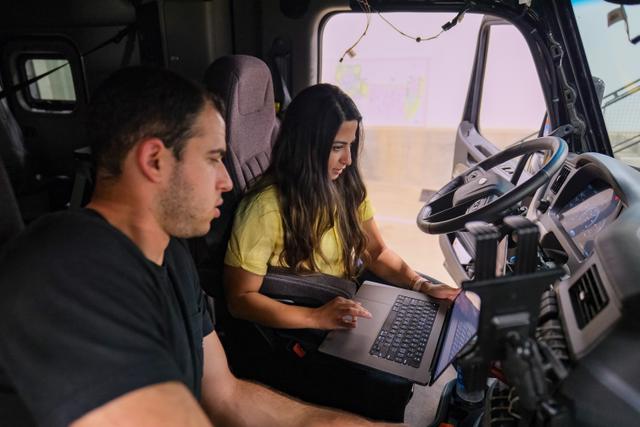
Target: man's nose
x,y
224,183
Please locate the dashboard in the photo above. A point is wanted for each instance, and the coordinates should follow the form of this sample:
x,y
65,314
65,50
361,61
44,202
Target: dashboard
x,y
588,216
589,221
588,213
580,215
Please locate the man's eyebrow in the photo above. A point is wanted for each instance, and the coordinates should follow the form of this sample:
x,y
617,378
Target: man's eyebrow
x,y
220,151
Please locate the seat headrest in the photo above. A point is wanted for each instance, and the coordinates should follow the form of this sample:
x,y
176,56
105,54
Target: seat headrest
x,y
244,84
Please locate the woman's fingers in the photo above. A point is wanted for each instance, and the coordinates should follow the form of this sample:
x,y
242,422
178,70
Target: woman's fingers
x,y
443,291
348,321
346,312
350,314
358,310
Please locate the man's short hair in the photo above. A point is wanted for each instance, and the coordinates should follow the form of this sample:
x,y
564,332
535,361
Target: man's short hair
x,y
140,102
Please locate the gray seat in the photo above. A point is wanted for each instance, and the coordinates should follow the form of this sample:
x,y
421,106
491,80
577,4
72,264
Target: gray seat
x,y
264,354
35,194
244,84
12,150
10,219
12,174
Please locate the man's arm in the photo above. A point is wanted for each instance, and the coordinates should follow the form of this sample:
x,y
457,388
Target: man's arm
x,y
232,402
167,404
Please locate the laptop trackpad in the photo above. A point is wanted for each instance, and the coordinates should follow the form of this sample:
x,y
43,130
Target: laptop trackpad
x,y
357,341
372,291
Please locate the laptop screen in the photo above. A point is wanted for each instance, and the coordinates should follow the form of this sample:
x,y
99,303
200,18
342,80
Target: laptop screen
x,y
463,325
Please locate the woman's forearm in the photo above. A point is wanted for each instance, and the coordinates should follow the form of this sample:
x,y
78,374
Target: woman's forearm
x,y
266,311
390,267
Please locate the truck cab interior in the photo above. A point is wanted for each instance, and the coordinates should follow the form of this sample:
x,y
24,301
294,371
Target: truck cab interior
x,y
485,120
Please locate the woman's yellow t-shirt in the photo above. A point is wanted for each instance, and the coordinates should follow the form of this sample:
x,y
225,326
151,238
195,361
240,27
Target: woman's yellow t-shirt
x,y
257,237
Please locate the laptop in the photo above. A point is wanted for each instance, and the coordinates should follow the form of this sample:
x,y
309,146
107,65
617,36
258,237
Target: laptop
x,y
409,335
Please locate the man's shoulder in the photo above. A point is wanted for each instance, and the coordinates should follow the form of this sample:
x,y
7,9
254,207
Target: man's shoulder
x,y
62,239
64,229
76,255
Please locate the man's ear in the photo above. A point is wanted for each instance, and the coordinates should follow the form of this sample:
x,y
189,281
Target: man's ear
x,y
151,157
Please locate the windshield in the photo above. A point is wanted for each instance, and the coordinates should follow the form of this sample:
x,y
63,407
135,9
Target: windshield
x,y
610,35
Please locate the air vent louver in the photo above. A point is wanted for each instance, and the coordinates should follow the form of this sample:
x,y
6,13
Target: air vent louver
x,y
588,297
560,179
507,169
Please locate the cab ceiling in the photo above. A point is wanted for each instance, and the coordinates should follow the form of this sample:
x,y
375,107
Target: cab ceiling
x,y
66,13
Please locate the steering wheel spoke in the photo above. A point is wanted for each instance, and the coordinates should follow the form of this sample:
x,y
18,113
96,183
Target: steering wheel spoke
x,y
448,212
473,173
483,201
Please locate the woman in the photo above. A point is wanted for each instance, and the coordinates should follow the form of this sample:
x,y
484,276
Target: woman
x,y
310,212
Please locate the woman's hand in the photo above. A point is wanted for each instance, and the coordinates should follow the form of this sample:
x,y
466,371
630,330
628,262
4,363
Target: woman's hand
x,y
339,313
439,290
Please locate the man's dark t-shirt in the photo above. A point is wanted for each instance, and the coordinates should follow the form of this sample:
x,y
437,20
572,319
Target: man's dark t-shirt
x,y
85,317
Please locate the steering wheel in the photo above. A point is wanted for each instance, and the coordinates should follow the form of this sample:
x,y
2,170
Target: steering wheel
x,y
479,194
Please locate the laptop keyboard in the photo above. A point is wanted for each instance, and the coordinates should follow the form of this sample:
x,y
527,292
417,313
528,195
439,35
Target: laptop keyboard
x,y
464,332
404,334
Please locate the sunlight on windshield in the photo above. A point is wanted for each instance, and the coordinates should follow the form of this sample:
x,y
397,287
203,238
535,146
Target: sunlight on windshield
x,y
614,58
411,97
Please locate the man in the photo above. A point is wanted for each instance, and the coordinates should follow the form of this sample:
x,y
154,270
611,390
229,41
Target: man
x,y
101,315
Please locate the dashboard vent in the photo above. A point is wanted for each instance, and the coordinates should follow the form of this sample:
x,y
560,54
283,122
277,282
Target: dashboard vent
x,y
560,179
508,169
588,297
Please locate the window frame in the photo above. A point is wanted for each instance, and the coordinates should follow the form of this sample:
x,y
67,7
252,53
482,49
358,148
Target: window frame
x,y
13,74
476,84
486,31
45,105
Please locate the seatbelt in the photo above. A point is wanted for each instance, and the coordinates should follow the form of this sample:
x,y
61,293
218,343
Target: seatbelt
x,y
129,30
279,59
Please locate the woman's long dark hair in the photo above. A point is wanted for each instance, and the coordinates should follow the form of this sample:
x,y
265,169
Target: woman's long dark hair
x,y
311,203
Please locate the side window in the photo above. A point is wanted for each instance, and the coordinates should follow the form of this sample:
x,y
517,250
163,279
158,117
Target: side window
x,y
512,106
608,35
54,91
411,96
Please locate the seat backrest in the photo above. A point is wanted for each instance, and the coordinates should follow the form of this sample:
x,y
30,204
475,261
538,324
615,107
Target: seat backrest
x,y
12,150
10,219
244,84
36,194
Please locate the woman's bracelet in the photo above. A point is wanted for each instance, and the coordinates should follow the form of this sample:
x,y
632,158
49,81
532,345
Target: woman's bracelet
x,y
417,282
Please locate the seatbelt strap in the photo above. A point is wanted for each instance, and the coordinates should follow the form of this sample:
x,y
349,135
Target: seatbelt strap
x,y
279,59
129,30
115,39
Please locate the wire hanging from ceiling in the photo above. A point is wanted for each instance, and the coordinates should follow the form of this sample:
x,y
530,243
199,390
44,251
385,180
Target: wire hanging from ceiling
x,y
368,10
